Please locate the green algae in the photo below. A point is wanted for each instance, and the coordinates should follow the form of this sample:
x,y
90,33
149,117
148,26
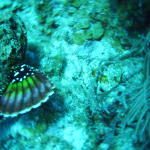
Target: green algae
x,y
87,32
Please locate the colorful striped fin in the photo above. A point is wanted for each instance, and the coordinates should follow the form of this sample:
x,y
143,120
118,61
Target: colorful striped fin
x,y
28,89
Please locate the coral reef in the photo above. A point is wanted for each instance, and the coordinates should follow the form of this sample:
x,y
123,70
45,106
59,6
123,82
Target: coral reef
x,y
13,43
94,52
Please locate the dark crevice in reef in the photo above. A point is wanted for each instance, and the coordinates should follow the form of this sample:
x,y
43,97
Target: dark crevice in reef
x,y
32,56
134,15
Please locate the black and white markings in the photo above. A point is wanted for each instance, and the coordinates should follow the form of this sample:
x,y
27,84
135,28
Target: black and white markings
x,y
21,72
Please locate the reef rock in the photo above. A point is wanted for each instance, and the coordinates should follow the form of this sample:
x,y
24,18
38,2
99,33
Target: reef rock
x,y
13,42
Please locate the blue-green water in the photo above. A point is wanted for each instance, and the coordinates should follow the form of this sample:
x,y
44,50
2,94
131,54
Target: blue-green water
x,y
74,75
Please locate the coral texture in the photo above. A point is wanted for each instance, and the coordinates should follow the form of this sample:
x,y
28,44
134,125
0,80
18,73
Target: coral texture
x,y
13,43
95,52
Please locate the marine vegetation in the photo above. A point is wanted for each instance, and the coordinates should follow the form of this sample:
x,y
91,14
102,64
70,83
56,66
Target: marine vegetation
x,y
139,110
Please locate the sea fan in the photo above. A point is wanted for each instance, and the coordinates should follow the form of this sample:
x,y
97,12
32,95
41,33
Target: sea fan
x,y
28,88
139,110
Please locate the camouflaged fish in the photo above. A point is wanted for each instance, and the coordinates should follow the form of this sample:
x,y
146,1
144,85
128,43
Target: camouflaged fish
x,y
28,88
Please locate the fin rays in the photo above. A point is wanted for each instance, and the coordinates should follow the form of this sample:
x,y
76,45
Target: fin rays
x,y
23,95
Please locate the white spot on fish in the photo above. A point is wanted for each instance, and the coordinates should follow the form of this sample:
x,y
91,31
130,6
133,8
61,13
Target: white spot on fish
x,y
22,69
13,81
16,74
23,65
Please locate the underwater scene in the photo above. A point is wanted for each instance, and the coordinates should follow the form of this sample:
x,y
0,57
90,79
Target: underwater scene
x,y
75,75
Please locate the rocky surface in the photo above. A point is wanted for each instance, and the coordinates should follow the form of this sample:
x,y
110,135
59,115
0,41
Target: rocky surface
x,y
95,61
13,43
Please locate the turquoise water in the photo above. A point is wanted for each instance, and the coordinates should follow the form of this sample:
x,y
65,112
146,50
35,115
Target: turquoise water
x,y
74,75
